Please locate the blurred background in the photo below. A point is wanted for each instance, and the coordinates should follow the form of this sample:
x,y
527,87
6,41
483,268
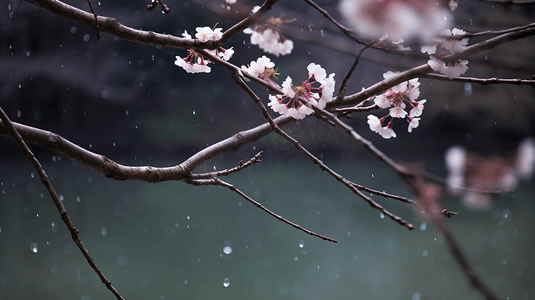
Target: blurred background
x,y
170,240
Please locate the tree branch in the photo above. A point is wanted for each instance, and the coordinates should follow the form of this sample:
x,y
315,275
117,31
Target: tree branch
x,y
482,81
59,205
217,181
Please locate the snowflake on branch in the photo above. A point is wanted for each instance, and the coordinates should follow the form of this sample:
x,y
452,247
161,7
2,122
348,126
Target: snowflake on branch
x,y
268,36
447,44
395,99
289,104
195,62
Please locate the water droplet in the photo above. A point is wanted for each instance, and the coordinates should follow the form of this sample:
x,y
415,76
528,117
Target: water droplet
x,y
33,247
127,112
104,231
19,113
296,258
382,215
78,199
61,198
185,281
227,250
187,217
226,282
31,175
425,253
122,260
193,112
301,244
423,226
373,176
504,262
20,85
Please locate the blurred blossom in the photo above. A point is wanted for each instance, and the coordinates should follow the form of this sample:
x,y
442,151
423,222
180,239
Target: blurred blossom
x,y
473,176
449,43
398,18
268,36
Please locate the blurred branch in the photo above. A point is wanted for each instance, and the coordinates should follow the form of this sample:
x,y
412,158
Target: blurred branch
x,y
497,31
59,205
497,41
217,181
428,197
155,3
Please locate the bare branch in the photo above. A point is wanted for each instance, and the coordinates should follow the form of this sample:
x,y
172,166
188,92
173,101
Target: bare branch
x,y
97,162
241,165
217,181
155,3
483,81
96,20
428,197
239,27
343,84
59,205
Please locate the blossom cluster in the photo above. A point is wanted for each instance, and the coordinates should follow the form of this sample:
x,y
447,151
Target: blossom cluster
x,y
447,44
269,38
398,18
195,62
290,103
472,176
396,99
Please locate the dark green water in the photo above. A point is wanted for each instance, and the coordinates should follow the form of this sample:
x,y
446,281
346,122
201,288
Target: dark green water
x,y
167,240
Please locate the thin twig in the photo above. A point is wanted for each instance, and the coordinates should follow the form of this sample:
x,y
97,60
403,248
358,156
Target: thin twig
x,y
241,165
217,181
343,112
487,32
482,81
61,208
384,194
155,3
96,19
343,84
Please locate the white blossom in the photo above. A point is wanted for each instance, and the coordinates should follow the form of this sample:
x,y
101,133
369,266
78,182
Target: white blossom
x,y
414,122
375,124
195,62
298,101
387,132
452,69
418,108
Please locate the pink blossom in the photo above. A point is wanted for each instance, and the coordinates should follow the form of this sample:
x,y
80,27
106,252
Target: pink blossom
x,y
297,101
398,18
